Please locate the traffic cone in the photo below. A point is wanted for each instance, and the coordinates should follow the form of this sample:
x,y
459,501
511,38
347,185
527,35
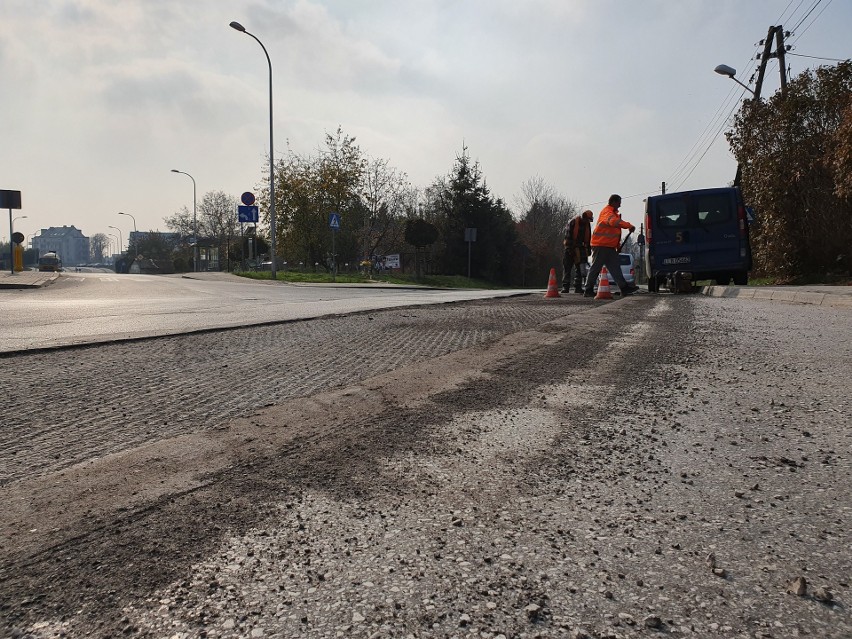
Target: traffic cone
x,y
603,286
552,288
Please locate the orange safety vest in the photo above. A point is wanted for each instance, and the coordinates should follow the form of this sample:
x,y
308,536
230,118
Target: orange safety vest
x,y
608,228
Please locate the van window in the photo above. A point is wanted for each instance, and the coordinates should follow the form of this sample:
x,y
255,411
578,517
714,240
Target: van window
x,y
714,209
671,213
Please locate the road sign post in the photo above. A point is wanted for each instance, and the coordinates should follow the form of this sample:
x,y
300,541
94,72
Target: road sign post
x,y
469,237
10,200
334,225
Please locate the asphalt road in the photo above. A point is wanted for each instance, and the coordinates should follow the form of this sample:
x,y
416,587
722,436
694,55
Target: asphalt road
x,y
85,308
656,466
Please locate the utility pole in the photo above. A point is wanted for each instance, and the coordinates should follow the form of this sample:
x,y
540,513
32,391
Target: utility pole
x,y
780,50
664,188
777,34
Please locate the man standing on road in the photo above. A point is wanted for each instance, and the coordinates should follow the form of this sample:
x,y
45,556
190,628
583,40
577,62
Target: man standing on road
x,y
577,243
606,239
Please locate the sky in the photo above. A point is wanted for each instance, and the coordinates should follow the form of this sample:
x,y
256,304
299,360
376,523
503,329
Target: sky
x,y
100,99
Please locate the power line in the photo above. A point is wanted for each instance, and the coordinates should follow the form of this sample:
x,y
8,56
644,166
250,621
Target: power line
x,y
815,5
781,17
814,57
713,124
811,23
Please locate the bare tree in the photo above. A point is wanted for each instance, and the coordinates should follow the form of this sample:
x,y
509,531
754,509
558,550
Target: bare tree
x,y
98,247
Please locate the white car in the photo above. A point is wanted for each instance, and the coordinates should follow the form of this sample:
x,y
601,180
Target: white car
x,y
628,270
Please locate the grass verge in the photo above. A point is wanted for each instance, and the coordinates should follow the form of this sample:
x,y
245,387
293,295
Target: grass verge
x,y
433,281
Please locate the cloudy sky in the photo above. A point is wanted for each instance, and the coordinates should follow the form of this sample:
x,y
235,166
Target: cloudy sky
x,y
101,98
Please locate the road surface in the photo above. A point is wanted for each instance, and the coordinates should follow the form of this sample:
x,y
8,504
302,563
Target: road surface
x,y
659,466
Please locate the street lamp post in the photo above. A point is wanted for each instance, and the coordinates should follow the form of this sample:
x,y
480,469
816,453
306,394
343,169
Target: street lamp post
x,y
242,29
724,69
194,220
120,243
120,237
135,231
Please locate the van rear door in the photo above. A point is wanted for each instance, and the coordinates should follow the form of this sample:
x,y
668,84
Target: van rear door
x,y
696,231
715,232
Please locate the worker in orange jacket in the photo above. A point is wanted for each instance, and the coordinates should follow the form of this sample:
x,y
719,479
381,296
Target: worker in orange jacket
x,y
606,239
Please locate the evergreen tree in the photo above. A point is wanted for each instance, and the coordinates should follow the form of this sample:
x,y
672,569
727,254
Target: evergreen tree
x,y
462,202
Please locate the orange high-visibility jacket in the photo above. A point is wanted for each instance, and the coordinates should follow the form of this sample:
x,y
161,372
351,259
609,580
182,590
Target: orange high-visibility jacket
x,y
608,228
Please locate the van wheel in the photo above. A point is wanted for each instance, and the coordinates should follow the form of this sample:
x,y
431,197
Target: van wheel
x,y
723,281
741,278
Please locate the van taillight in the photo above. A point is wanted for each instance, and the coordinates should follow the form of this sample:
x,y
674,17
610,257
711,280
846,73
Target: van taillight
x,y
741,216
648,228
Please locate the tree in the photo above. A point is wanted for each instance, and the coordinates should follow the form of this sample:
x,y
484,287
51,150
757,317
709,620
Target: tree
x,y
309,188
420,234
794,150
841,158
387,198
541,228
216,216
156,246
98,247
463,201
217,222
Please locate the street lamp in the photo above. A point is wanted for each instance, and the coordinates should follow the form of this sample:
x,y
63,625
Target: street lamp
x,y
194,220
134,231
12,225
724,69
242,29
120,237
120,243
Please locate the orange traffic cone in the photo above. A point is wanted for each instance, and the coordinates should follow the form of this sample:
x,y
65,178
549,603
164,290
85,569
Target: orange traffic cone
x,y
603,286
552,288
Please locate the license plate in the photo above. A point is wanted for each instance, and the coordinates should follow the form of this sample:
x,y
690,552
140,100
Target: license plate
x,y
677,260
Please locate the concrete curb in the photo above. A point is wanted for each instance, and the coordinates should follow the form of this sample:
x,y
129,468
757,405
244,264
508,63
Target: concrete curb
x,y
27,279
835,297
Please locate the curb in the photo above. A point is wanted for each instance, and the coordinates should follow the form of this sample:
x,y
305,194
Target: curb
x,y
811,296
20,281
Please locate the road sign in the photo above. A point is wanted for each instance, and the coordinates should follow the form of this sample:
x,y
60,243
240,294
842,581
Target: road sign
x,y
247,198
247,213
18,237
10,199
334,221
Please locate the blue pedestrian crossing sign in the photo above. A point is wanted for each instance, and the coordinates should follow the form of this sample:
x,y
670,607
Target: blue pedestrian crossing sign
x,y
334,221
247,213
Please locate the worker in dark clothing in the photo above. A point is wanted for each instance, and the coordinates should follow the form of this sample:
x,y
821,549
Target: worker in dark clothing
x,y
575,257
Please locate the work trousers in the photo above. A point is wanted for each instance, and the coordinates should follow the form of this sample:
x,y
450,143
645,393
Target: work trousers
x,y
578,271
605,256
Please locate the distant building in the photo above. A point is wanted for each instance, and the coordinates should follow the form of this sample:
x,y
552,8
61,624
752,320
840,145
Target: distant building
x,y
67,241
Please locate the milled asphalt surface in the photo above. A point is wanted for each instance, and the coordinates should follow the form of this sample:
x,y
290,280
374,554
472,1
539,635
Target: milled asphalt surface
x,y
533,509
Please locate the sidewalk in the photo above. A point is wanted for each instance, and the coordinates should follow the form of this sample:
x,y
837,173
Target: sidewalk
x,y
26,279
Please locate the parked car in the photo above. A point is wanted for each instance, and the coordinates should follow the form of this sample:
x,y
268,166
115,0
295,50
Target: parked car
x,y
628,270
